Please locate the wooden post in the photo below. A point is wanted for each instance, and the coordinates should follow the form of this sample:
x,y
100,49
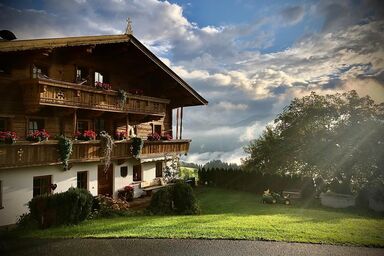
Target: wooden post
x,y
181,122
75,121
127,126
177,123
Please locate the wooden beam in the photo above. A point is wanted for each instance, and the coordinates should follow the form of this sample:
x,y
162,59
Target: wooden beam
x,y
181,122
75,122
127,126
177,123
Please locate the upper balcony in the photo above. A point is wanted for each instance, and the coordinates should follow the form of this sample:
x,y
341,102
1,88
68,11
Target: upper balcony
x,y
27,154
47,92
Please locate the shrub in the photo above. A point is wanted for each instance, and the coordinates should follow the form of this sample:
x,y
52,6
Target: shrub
x,y
177,199
183,199
104,206
161,202
70,207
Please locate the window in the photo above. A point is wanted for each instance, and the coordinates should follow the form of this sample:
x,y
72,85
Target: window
x,y
82,180
5,69
39,71
124,171
157,129
35,125
41,185
82,126
82,75
137,173
3,124
98,77
99,125
1,194
159,169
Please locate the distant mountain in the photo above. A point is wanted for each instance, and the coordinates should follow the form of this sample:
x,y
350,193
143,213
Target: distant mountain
x,y
190,165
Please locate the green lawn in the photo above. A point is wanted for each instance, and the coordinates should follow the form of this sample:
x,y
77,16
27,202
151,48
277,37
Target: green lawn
x,y
237,215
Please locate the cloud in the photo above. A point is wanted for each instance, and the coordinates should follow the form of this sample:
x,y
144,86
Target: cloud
x,y
293,14
234,156
246,85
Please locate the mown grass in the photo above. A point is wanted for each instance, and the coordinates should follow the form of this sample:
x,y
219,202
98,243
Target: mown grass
x,y
236,215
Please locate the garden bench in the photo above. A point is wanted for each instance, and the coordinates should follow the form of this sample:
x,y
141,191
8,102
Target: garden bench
x,y
149,186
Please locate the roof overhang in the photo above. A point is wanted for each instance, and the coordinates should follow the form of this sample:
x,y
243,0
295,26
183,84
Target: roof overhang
x,y
52,43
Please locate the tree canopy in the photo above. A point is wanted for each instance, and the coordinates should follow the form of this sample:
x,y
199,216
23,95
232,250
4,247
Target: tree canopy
x,y
337,137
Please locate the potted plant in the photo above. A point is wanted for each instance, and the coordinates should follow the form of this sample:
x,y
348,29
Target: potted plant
x,y
120,135
166,136
86,135
8,137
126,193
153,136
37,136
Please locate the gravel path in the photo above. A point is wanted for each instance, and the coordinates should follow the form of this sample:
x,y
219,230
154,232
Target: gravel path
x,y
183,247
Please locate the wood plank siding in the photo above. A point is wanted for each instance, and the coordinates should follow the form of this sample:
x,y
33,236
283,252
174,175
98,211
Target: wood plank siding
x,y
48,92
23,154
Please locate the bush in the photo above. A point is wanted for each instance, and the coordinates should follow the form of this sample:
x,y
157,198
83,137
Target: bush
x,y
104,206
161,202
184,200
178,199
70,207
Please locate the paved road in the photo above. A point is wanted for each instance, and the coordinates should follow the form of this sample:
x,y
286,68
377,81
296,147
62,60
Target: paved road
x,y
67,247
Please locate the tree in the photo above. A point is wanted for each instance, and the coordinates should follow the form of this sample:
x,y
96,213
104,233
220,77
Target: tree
x,y
337,137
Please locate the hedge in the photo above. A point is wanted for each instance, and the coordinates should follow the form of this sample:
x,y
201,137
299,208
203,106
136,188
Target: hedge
x,y
255,182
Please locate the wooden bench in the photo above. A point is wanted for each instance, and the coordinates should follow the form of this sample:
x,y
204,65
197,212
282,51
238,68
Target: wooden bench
x,y
149,186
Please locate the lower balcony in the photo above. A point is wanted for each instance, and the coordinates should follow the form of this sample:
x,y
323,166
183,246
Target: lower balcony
x,y
26,154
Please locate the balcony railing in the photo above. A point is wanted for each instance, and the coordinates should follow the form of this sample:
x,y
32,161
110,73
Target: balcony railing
x,y
47,92
25,154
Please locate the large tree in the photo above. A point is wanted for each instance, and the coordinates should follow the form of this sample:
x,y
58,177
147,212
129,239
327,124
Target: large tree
x,y
338,137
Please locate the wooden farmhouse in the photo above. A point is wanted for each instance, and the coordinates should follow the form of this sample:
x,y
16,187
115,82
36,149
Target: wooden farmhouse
x,y
78,87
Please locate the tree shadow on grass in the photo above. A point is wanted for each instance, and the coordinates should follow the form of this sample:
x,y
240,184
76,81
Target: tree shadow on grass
x,y
221,201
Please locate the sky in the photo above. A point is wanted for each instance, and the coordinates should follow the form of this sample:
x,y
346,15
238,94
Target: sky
x,y
248,58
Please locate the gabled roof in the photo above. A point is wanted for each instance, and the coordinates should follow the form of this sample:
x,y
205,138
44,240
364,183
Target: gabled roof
x,y
51,43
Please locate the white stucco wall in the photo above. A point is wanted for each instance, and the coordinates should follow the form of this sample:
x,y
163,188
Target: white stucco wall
x,y
121,182
18,183
18,186
148,171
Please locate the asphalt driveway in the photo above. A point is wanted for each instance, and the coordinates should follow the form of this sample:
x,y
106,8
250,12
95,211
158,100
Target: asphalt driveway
x,y
142,247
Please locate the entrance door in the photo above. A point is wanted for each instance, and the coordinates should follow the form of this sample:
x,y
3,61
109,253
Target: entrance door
x,y
105,180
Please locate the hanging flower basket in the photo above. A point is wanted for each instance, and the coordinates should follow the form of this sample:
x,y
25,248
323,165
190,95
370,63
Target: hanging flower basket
x,y
136,147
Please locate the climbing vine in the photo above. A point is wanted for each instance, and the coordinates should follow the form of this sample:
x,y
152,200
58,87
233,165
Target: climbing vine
x,y
65,151
107,144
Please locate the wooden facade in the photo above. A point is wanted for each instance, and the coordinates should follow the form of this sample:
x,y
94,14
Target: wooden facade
x,y
25,154
67,84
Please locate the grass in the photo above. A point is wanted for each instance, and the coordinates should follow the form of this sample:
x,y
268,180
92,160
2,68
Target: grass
x,y
236,215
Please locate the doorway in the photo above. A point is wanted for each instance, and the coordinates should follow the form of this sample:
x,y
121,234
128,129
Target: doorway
x,y
105,181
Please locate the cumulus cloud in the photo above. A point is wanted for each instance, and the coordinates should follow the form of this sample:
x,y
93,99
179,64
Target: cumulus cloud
x,y
228,64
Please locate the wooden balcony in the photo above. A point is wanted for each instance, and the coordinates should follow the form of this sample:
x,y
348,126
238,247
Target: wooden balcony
x,y
26,154
47,92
